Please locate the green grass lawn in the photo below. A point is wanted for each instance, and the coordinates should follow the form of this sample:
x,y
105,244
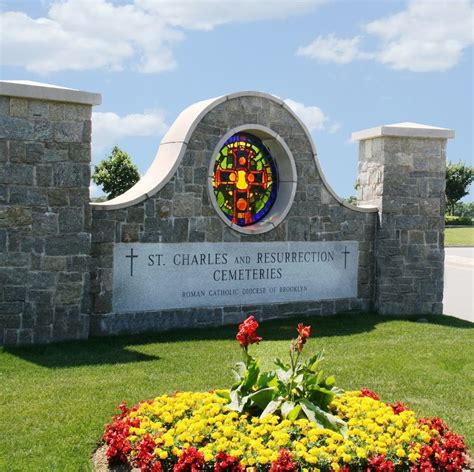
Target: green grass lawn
x,y
55,400
463,236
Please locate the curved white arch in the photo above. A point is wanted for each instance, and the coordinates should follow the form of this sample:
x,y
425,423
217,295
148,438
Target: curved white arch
x,y
174,144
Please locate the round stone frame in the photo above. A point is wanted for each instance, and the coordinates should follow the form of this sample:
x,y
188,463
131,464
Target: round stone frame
x,y
287,178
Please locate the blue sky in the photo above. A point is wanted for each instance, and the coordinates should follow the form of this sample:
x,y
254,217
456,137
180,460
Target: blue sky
x,y
342,65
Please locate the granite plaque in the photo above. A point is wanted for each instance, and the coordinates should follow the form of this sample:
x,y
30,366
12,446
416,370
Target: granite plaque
x,y
155,276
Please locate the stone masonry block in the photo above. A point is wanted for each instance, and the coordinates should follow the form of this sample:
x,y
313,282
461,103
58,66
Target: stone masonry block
x,y
69,244
19,174
71,220
68,132
71,175
16,128
19,107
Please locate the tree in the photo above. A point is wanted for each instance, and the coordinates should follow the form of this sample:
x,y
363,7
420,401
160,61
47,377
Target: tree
x,y
352,199
116,173
459,177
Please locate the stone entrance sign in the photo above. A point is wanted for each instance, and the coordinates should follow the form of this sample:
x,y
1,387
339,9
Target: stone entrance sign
x,y
168,276
234,216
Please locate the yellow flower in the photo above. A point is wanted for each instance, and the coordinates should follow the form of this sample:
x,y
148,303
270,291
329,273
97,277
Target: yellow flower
x,y
401,452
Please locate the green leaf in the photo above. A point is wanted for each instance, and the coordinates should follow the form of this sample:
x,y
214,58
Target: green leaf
x,y
286,408
271,408
321,397
237,402
298,379
239,371
322,418
294,413
265,378
251,374
330,381
284,375
279,363
314,361
225,394
262,398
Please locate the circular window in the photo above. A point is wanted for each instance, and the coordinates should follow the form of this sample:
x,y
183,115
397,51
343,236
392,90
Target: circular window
x,y
252,179
245,179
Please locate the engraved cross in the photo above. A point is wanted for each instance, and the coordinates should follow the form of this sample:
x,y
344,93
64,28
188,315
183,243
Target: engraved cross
x,y
131,257
345,252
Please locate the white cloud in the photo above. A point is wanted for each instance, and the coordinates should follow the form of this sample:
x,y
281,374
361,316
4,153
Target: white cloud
x,y
313,117
429,35
207,14
333,49
92,34
108,128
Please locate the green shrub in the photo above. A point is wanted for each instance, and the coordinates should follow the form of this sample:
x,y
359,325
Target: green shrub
x,y
458,220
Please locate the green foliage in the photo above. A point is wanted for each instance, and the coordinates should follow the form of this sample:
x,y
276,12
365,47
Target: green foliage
x,y
116,174
352,199
294,390
459,177
458,220
464,209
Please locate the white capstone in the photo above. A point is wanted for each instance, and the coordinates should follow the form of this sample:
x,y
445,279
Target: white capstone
x,y
406,129
41,91
169,157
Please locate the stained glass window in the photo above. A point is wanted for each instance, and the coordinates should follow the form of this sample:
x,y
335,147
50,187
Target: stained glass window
x,y
245,179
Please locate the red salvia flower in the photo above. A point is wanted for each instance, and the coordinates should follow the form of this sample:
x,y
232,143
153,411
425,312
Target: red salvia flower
x,y
365,392
247,332
284,462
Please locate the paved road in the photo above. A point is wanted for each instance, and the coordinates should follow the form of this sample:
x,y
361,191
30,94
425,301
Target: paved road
x,y
459,283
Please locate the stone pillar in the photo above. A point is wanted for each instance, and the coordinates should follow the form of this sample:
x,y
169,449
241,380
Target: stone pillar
x,y
402,171
45,139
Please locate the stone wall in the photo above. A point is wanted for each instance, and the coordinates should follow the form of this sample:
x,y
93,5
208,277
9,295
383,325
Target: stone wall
x,y
45,218
403,174
182,212
56,251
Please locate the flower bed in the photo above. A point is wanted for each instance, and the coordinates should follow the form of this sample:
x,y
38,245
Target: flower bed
x,y
280,421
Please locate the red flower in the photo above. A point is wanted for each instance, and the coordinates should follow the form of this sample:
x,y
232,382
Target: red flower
x,y
380,464
398,407
156,467
144,457
116,436
304,331
191,460
303,335
226,463
365,392
284,463
247,332
444,452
